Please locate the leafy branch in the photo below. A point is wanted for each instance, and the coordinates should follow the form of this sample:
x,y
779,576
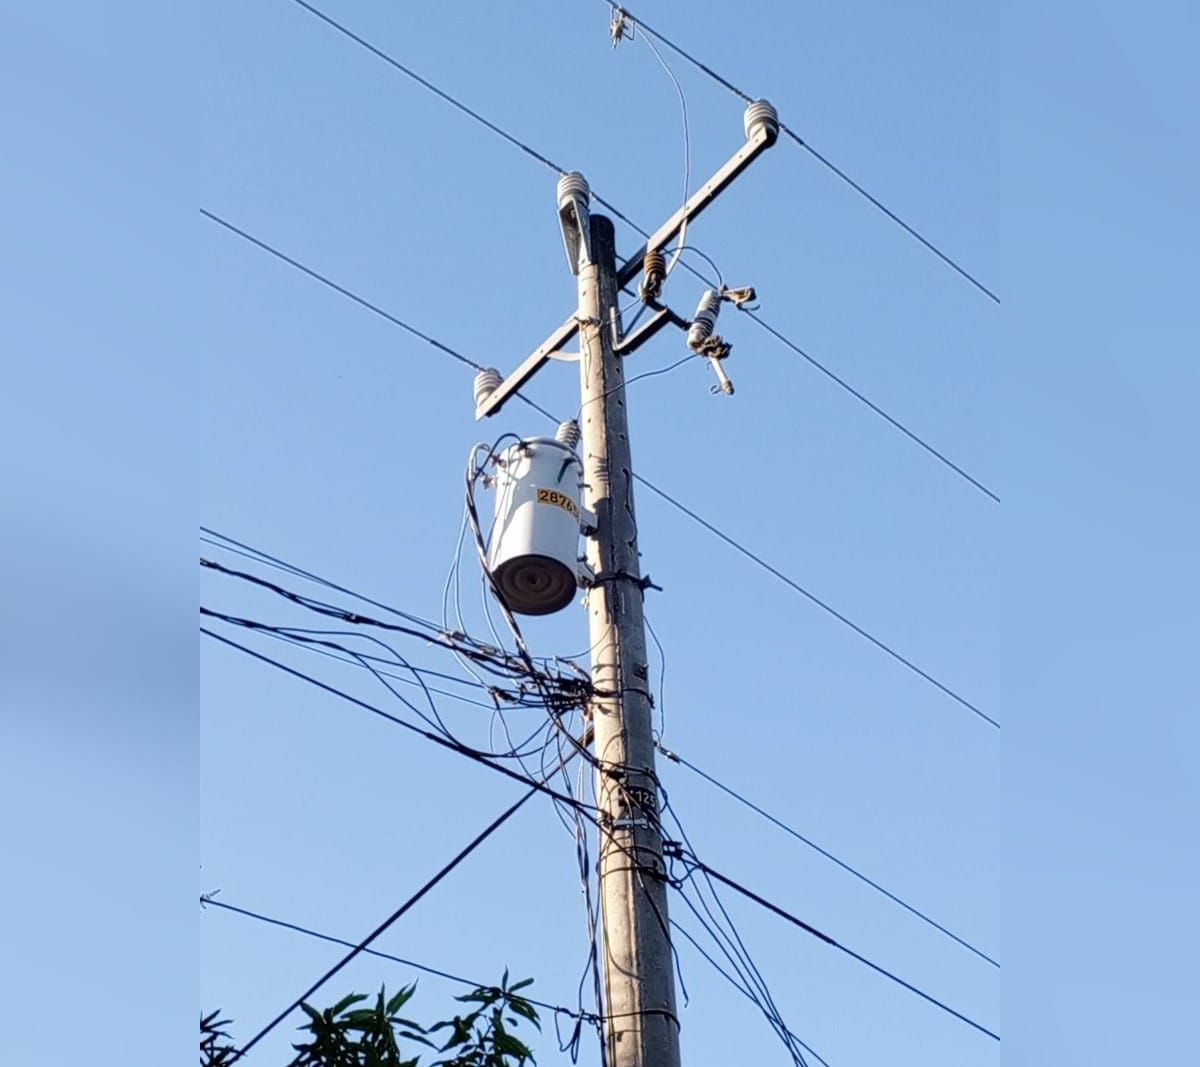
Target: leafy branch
x,y
351,1035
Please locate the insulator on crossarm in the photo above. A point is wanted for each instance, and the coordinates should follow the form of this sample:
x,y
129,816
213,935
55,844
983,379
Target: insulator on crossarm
x,y
574,219
654,273
487,381
570,186
761,114
567,433
705,320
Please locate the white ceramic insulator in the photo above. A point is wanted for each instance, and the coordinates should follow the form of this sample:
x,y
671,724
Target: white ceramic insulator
x,y
761,113
572,186
487,381
567,433
706,318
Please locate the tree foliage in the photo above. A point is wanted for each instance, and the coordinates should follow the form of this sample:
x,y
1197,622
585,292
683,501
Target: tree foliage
x,y
349,1034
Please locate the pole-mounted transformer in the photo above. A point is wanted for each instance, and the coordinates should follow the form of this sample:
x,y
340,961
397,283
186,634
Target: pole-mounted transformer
x,y
533,555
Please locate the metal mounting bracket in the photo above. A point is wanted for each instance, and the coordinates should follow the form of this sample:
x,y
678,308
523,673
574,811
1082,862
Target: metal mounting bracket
x,y
663,316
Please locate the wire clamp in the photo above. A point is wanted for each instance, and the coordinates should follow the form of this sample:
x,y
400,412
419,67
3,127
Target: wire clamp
x,y
620,28
643,583
740,297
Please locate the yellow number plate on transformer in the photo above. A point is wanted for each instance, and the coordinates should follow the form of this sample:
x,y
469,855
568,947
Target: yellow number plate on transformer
x,y
559,500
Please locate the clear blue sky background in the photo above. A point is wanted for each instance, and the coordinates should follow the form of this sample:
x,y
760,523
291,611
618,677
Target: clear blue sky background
x,y
149,351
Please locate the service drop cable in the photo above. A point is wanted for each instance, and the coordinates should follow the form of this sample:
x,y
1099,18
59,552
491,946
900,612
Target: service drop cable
x,y
462,750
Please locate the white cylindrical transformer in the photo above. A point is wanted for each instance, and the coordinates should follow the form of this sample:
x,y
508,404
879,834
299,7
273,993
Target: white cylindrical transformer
x,y
534,551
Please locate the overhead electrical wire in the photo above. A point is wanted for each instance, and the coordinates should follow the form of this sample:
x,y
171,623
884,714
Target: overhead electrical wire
x,y
688,858
578,808
409,73
823,160
760,995
209,900
291,568
936,453
726,938
553,727
737,984
426,629
676,758
583,810
608,205
737,887
461,749
354,660
552,693
361,301
691,514
286,634
362,946
792,584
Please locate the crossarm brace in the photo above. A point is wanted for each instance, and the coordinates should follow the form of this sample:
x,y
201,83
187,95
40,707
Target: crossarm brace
x,y
534,362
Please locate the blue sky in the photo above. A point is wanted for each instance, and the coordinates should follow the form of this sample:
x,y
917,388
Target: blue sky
x,y
1052,154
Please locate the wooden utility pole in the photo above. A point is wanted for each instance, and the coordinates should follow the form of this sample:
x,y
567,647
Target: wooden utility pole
x,y
641,1027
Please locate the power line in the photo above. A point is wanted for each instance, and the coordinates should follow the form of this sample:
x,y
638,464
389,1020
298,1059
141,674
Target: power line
x,y
260,556
671,500
458,747
211,901
578,806
889,213
823,160
409,73
341,289
568,692
478,840
355,659
746,992
873,406
571,802
614,210
697,864
676,758
791,583
330,283
425,83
